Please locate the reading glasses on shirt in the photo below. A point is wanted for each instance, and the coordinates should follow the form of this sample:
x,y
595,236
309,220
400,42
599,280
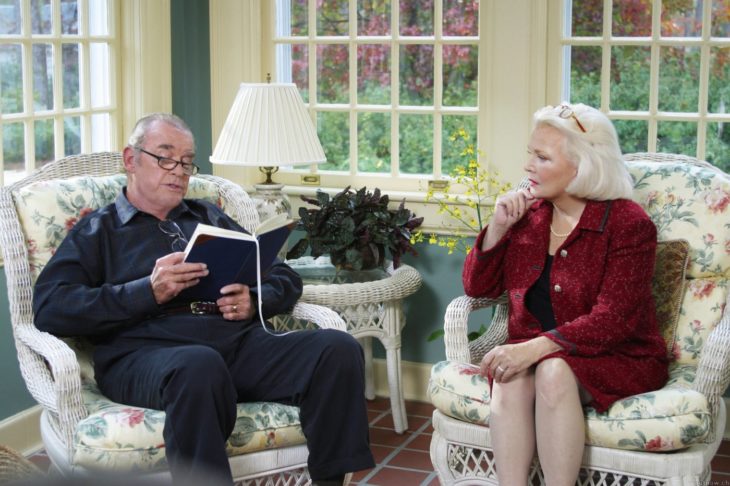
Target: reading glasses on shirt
x,y
567,112
171,229
167,163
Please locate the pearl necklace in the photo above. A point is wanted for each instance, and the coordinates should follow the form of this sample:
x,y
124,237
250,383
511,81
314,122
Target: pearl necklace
x,y
559,235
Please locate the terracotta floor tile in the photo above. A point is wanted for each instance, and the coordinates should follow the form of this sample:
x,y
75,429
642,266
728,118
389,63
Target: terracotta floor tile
x,y
435,482
359,476
414,422
412,460
386,437
721,464
724,448
381,452
422,442
421,409
389,476
379,403
374,415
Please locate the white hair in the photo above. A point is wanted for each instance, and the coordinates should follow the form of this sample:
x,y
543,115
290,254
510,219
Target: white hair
x,y
592,145
137,138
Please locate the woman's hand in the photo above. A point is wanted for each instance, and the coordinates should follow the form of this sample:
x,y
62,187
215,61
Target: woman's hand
x,y
508,209
506,361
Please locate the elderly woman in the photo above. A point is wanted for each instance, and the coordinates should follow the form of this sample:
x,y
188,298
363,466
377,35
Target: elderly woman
x,y
575,257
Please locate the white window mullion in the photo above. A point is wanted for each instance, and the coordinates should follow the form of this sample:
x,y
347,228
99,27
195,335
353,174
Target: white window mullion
x,y
394,88
703,97
438,88
57,53
653,128
352,85
606,48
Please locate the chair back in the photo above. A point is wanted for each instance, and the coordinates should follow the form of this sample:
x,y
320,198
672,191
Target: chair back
x,y
687,199
37,212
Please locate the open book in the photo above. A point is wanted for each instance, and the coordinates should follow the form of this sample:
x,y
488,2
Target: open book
x,y
234,256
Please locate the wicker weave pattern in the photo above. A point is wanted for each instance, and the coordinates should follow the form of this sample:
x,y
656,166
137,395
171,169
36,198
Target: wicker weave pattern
x,y
49,366
15,467
601,466
370,309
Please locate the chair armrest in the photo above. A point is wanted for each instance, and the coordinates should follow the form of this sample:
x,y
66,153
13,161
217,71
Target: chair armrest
x,y
713,369
323,316
456,322
400,283
52,375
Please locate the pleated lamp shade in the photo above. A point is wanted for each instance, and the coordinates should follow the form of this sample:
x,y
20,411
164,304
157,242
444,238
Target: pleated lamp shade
x,y
268,126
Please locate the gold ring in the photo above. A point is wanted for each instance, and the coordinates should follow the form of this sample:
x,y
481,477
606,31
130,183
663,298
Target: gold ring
x,y
235,308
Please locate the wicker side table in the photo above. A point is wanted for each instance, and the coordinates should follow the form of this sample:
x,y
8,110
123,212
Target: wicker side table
x,y
370,302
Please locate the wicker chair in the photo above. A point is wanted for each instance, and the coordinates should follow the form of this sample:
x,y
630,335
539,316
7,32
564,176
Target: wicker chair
x,y
58,372
688,199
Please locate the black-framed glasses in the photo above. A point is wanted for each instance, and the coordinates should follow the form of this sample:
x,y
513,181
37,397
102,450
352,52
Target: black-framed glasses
x,y
189,168
567,112
171,229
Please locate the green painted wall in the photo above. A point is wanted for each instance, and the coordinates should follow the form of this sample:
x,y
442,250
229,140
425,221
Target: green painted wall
x,y
15,396
191,72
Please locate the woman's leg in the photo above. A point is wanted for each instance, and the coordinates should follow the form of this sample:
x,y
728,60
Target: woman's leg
x,y
560,423
512,428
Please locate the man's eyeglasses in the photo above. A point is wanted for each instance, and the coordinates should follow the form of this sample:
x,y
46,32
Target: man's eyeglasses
x,y
567,112
171,229
169,164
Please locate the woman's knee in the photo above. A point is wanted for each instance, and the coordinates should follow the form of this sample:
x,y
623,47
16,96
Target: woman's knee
x,y
554,381
519,392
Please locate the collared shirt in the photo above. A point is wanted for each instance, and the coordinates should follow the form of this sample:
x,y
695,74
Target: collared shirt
x,y
97,285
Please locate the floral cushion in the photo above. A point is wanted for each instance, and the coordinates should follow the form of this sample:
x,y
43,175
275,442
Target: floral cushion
x,y
668,286
120,437
693,203
664,420
49,209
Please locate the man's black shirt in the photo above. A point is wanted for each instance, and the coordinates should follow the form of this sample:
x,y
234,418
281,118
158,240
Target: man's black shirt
x,y
97,285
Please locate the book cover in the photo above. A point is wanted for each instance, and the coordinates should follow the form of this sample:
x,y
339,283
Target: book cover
x,y
234,256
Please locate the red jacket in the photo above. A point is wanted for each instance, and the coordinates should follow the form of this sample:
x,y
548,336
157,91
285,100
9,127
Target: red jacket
x,y
600,292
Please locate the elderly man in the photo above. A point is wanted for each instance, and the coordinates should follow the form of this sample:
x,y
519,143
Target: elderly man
x,y
117,278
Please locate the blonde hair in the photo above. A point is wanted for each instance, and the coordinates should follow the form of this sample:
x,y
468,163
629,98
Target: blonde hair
x,y
591,143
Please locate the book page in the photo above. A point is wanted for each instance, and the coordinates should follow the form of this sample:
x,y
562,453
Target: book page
x,y
273,223
205,232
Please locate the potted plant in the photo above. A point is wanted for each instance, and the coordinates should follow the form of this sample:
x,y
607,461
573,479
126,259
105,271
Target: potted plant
x,y
355,228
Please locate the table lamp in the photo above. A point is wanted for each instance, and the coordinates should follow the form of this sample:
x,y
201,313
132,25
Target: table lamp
x,y
268,127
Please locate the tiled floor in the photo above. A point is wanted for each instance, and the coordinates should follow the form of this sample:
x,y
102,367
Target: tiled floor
x,y
403,460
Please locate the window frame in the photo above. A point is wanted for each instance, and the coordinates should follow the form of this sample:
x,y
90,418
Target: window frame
x,y
559,84
385,181
511,77
57,113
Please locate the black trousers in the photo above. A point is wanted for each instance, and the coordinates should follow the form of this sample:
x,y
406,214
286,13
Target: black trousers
x,y
320,371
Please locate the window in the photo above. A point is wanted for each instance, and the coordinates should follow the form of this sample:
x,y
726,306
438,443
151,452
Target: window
x,y
57,90
659,68
387,80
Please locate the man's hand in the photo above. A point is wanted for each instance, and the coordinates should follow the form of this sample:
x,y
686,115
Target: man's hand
x,y
236,302
171,276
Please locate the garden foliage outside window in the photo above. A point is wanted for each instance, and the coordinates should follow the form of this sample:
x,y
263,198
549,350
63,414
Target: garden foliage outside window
x,y
659,68
56,97
389,81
